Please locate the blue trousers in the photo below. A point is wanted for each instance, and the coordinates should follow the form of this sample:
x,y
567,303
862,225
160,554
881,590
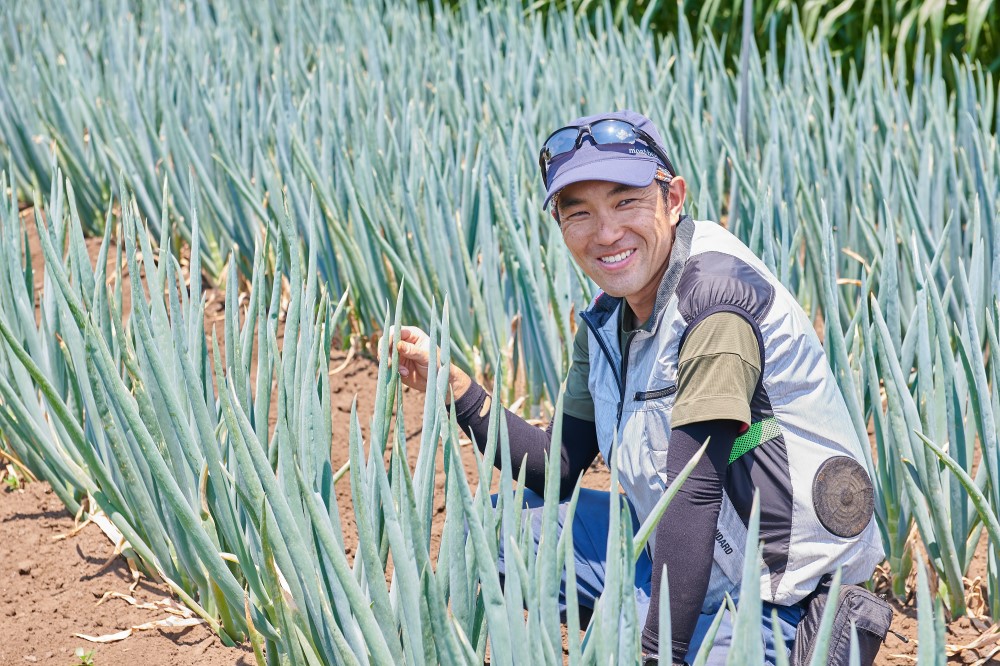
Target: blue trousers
x,y
590,541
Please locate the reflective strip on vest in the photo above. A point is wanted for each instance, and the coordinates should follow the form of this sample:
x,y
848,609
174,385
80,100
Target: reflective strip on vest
x,y
760,432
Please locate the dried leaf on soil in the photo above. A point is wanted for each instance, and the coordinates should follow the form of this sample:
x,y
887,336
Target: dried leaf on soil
x,y
171,622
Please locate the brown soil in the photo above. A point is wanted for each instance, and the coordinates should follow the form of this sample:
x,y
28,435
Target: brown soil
x,y
49,591
41,609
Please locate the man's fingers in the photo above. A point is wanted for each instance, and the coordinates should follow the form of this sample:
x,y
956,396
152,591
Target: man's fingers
x,y
411,333
407,333
413,352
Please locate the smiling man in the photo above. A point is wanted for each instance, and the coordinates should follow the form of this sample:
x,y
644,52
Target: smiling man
x,y
690,339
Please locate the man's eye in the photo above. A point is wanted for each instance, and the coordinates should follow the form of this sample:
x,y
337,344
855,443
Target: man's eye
x,y
626,202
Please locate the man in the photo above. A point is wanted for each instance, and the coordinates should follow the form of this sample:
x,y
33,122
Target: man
x,y
691,338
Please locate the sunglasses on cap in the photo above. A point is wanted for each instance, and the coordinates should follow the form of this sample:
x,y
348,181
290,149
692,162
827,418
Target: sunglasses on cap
x,y
603,132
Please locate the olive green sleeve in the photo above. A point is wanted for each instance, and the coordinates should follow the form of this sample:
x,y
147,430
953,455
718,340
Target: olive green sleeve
x,y
577,400
717,371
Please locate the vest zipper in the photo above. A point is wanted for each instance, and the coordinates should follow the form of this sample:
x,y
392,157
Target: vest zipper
x,y
621,375
658,393
621,387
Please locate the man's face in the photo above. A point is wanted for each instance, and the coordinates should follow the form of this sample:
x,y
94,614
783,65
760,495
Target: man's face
x,y
621,236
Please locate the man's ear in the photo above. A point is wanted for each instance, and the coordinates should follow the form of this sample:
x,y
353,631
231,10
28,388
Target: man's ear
x,y
675,199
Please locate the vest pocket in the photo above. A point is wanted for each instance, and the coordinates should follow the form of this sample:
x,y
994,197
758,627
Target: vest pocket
x,y
658,393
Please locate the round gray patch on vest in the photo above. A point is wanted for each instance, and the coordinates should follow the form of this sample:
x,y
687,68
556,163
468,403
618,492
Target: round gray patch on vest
x,y
843,496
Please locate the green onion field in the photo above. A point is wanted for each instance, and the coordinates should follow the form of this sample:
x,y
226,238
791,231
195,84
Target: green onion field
x,y
330,168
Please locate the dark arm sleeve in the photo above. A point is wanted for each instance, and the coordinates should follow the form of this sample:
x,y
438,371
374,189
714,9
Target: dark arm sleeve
x,y
530,445
691,520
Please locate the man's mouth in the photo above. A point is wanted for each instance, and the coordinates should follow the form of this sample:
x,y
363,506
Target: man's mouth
x,y
612,259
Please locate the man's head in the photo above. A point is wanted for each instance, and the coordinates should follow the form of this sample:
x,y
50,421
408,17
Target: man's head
x,y
617,204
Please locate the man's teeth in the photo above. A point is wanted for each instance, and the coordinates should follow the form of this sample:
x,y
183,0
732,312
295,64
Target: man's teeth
x,y
615,258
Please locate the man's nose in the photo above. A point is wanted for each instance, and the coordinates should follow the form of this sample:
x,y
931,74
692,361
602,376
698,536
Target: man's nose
x,y
608,230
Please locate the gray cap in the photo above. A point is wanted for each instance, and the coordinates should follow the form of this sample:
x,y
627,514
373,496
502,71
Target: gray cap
x,y
616,163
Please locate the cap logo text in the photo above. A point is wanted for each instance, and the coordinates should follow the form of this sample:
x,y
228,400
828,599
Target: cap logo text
x,y
640,151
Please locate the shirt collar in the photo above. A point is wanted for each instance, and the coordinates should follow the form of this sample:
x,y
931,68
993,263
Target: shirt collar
x,y
679,254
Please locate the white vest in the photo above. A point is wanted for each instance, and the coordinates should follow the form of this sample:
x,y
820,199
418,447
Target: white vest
x,y
798,416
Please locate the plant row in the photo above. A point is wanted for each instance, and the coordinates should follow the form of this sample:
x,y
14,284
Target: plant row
x,y
968,29
130,412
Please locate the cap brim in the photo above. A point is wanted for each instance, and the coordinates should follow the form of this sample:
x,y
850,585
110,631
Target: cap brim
x,y
613,169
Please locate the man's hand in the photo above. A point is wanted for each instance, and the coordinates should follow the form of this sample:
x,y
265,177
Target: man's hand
x,y
414,361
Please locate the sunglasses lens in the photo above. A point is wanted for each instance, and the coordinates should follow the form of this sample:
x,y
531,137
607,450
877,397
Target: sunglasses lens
x,y
612,131
561,142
